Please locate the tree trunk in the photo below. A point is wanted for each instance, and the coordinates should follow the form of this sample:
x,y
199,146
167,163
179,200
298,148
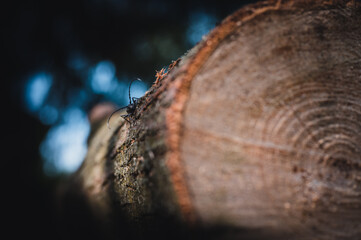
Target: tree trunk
x,y
255,134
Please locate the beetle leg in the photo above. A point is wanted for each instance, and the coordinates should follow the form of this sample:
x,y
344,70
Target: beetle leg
x,y
125,117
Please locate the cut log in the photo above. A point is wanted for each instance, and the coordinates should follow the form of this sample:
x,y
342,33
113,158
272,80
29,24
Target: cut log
x,y
255,134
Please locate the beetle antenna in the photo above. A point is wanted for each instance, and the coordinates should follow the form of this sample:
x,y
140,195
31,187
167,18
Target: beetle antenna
x,y
130,99
113,113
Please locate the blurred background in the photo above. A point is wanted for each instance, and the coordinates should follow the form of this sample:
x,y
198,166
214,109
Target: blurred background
x,y
60,59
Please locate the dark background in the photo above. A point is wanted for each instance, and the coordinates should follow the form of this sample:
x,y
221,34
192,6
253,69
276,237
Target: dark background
x,y
65,41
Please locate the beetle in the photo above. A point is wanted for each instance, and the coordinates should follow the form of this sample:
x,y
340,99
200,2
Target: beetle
x,y
130,109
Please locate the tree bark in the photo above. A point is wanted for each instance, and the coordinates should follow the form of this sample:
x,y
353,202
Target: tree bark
x,y
255,134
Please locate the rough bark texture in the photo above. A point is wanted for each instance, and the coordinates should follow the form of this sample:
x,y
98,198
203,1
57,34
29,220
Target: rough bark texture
x,y
256,133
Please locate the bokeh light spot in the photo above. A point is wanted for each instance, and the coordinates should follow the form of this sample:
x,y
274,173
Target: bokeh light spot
x,y
102,77
200,23
36,90
48,115
65,145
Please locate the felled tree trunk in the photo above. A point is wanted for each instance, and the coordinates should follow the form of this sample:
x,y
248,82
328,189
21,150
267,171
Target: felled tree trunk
x,y
255,134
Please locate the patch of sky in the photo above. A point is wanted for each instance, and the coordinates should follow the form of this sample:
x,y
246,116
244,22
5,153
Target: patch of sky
x,y
102,77
36,90
78,97
138,89
65,145
119,92
200,23
48,115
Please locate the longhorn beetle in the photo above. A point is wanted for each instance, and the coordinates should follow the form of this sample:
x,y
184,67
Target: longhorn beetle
x,y
133,101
